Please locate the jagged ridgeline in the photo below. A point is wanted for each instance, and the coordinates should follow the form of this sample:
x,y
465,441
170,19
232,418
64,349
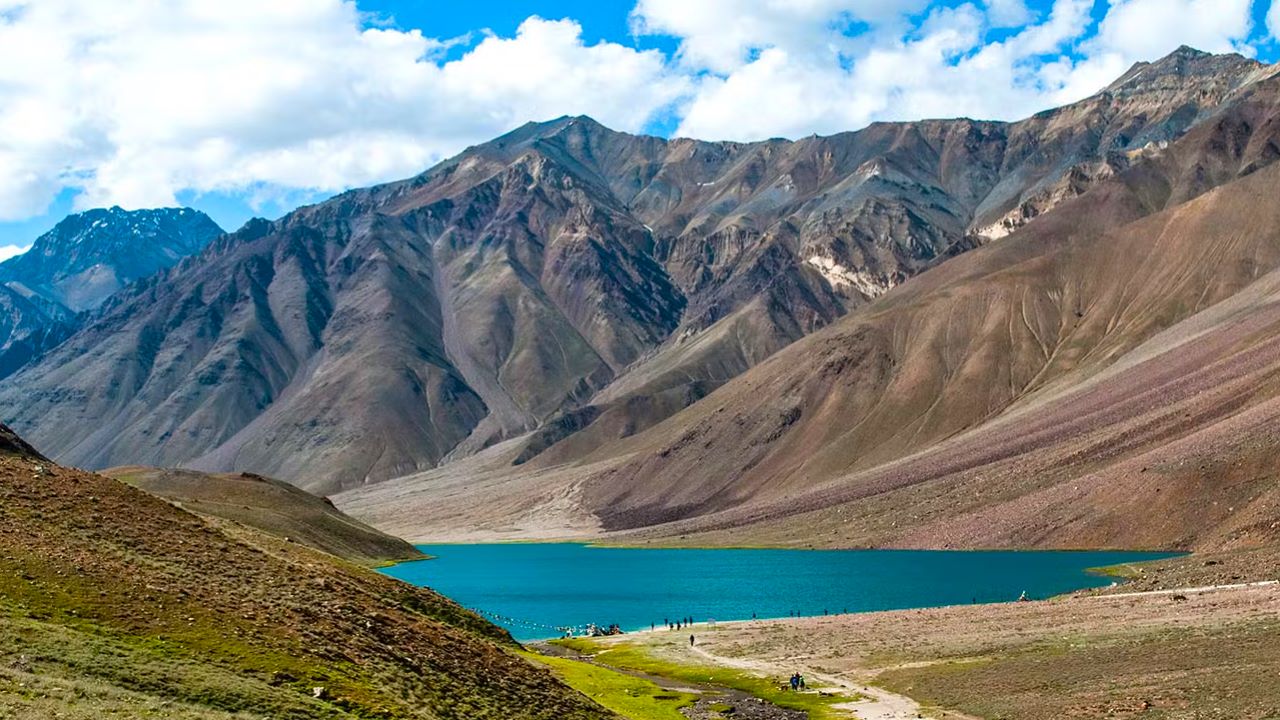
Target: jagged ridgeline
x,y
563,280
1103,376
70,271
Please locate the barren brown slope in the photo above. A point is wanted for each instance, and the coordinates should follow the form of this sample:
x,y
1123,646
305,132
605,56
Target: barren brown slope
x,y
1175,656
864,210
114,602
272,506
564,279
858,413
798,447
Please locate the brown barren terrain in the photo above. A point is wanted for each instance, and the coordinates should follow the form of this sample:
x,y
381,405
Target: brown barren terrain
x,y
1107,375
1191,654
273,506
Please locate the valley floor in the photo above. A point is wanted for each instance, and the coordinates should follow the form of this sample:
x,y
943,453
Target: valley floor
x,y
1146,649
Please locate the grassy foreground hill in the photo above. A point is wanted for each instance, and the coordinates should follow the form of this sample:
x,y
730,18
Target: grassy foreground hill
x,y
272,506
115,603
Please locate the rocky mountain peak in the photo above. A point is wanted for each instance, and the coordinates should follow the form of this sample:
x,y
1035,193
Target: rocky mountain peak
x,y
109,229
90,255
1184,64
77,265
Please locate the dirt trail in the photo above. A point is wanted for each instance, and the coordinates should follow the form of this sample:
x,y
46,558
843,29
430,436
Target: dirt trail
x,y
1187,590
874,703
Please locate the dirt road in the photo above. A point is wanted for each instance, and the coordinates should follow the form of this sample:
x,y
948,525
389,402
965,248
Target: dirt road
x,y
872,703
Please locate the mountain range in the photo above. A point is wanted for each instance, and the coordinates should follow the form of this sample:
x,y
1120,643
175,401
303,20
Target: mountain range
x,y
72,269
942,332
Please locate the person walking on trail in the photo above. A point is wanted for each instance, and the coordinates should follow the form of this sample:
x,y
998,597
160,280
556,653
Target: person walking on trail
x,y
795,682
690,641
800,678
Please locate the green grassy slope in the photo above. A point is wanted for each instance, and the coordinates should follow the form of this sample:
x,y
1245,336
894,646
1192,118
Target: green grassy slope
x,y
113,601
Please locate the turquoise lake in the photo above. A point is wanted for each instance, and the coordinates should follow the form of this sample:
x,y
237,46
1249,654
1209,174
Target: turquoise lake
x,y
532,589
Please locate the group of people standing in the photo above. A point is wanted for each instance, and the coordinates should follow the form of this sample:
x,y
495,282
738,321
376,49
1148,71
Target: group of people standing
x,y
797,682
594,630
678,624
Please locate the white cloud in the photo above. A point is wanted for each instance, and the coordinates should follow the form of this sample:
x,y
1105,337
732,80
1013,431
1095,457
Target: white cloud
x,y
1148,29
721,35
1008,13
771,73
10,251
137,100
1144,30
940,69
1273,20
134,101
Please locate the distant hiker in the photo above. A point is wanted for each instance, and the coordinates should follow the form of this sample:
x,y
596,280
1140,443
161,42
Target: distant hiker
x,y
690,641
795,682
801,679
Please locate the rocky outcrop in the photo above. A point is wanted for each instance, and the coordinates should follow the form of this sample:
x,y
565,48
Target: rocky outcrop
x,y
11,444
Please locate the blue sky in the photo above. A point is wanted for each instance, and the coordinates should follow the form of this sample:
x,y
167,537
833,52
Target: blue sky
x,y
258,107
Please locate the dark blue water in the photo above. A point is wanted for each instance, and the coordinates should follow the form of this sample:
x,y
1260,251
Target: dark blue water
x,y
532,589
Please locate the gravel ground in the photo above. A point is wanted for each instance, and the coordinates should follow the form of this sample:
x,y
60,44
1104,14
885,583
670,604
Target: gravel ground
x,y
1173,653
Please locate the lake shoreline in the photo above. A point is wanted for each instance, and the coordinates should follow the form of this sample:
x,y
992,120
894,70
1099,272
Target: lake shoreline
x,y
542,590
1082,655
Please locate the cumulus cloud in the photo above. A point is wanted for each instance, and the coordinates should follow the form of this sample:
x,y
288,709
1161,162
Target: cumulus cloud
x,y
134,101
722,35
1008,13
941,67
838,64
1151,28
9,251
